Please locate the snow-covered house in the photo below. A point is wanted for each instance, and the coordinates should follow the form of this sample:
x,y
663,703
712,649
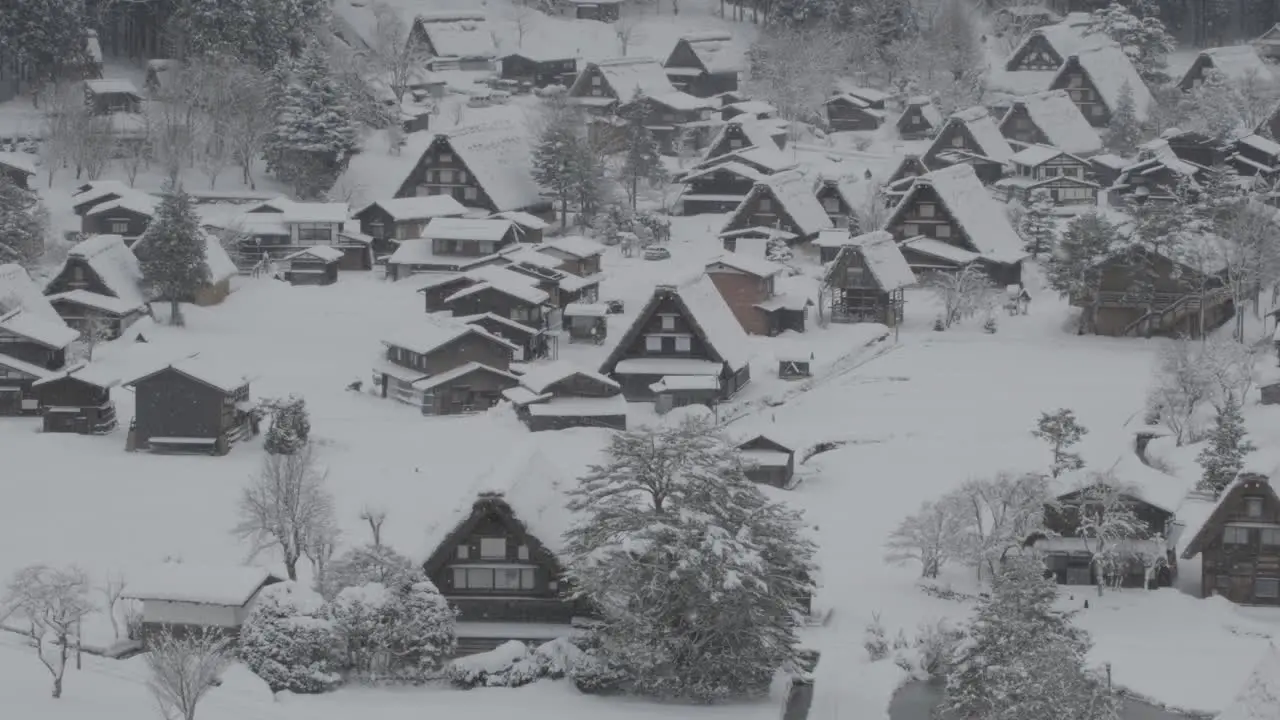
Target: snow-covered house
x,y
866,278
485,166
757,109
126,215
607,87
100,286
1268,43
391,221
35,338
948,219
685,333
1095,79
1255,154
1047,48
19,292
1061,174
1238,539
558,395
312,266
1240,64
19,168
742,133
784,201
855,109
846,196
77,400
1164,301
748,286
455,39
1155,175
544,272
767,461
193,405
280,226
220,266
1050,118
452,245
706,63
719,188
178,597
970,137
920,119
540,65
577,255
529,228
1258,699
503,292
444,367
606,11
112,95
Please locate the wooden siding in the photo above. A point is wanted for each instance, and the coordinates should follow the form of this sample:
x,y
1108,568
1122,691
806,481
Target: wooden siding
x,y
1083,92
118,221
1019,126
21,348
1036,54
843,115
539,73
1238,570
856,296
763,210
954,135
77,274
595,85
742,292
475,391
440,171
468,348
927,216
1195,74
490,300
170,404
913,125
832,202
70,405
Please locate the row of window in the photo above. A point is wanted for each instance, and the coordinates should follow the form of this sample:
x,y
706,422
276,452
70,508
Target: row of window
x,y
939,231
483,578
444,246
1236,535
668,343
492,548
1266,588
458,193
447,175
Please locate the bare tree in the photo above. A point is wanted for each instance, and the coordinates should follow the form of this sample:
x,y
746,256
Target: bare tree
x,y
522,17
1228,368
184,669
627,29
286,507
59,139
111,591
1250,254
1102,512
1000,513
135,151
962,294
375,517
252,120
54,602
1181,386
393,54
929,537
792,69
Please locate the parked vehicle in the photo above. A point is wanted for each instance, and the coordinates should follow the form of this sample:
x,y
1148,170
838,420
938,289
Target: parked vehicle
x,y
657,253
614,307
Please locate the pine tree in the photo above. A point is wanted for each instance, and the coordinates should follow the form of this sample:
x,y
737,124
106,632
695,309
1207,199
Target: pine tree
x,y
1213,107
47,38
1075,268
559,156
1124,131
697,574
171,252
290,426
315,134
425,634
1062,432
1022,658
1038,227
1143,39
287,642
1223,458
641,160
367,564
23,224
778,250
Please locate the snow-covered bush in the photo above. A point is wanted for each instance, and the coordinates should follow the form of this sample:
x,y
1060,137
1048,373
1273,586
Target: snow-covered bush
x,y
286,642
385,634
875,640
367,564
492,669
364,618
425,633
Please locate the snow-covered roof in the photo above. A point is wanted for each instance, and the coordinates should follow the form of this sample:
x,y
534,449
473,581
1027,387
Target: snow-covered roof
x,y
1035,155
884,259
1130,473
513,285
96,189
312,212
460,34
586,310
21,162
866,94
230,585
985,132
432,333
539,377
632,76
793,190
376,174
505,322
580,407
221,266
685,382
575,245
50,332
522,219
22,366
747,264
114,265
755,132
1109,69
1259,699
497,154
93,374
419,207
320,252
927,109
435,381
112,85
1061,121
94,300
979,215
752,107
137,202
19,292
1261,144
1109,160
450,228
723,331
716,50
1238,63
1066,37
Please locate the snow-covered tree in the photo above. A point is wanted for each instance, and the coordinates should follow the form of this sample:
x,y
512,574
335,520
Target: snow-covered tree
x,y
184,668
641,160
1223,458
1124,132
1251,258
363,619
372,563
425,634
1038,227
791,69
286,507
287,641
931,537
1021,658
290,426
172,257
953,38
1179,389
385,633
53,602
1075,268
778,250
23,225
314,135
1101,510
48,39
1227,366
999,513
251,119
1211,107
1061,431
698,576
561,154
963,293
262,32
1144,40
393,55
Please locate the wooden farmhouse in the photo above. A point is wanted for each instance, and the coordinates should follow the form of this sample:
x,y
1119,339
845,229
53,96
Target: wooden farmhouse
x,y
686,332
543,271
1143,294
947,211
717,189
35,338
436,286
557,395
19,292
785,201
502,292
970,137
193,405
768,461
1106,168
455,40
540,67
1047,48
390,222
586,322
530,229
99,191
1062,175
705,64
127,215
920,119
1050,118
763,160
1239,64
18,168
740,134
748,109
1156,176
747,285
312,266
606,11
849,111
1191,145
445,367
1255,154
908,169
181,598
115,95
275,228
609,87
452,245
99,287
533,343
865,280
1095,77
220,268
1268,43
577,255
483,166
1148,558
846,197
77,400
1239,543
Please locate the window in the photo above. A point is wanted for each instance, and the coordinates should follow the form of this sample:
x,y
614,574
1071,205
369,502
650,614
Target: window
x,y
668,322
77,273
1097,111
446,158
653,343
486,247
469,193
1075,80
1235,535
735,143
463,552
957,140
488,578
910,230
446,176
314,233
513,579
595,81
376,229
473,578
942,231
493,548
1022,123
1077,95
926,210
1253,507
766,205
522,552
831,205
1051,172
683,344
1071,172
1271,536
462,175
1266,587
119,227
915,120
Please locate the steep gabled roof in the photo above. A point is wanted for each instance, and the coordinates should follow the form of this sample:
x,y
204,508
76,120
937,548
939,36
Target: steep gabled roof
x,y
19,292
981,218
459,34
456,228
982,128
202,370
1259,699
883,258
434,333
631,76
1066,38
705,311
22,162
542,376
716,50
793,191
1237,62
755,132
1109,69
1246,482
747,264
49,332
498,155
927,108
1060,120
114,265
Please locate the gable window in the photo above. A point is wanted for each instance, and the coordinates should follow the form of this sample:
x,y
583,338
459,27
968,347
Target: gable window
x,y
1022,123
1253,507
469,193
957,140
766,205
1071,172
522,552
463,552
683,345
926,210
1271,537
735,143
595,81
1097,111
942,231
1075,80
493,548
446,158
910,230
1232,535
653,343
77,273
915,120
376,229
314,233
446,176
119,227
668,322
831,205
1266,587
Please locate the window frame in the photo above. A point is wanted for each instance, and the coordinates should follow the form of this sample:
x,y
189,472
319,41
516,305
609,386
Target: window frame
x,y
1231,535
1252,503
1272,583
486,554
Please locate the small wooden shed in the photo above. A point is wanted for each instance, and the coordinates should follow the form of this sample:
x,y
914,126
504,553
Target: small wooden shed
x,y
587,322
313,266
768,461
77,400
602,10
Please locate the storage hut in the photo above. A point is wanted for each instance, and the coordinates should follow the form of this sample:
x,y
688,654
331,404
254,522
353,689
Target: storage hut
x,y
313,266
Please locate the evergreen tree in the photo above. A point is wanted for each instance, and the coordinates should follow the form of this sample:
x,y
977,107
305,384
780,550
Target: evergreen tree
x,y
697,574
1075,267
560,156
46,38
315,134
1143,39
290,426
641,160
367,564
23,224
1062,432
261,32
397,634
425,635
1213,107
1124,133
287,641
1022,658
1038,227
778,250
171,252
1223,458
